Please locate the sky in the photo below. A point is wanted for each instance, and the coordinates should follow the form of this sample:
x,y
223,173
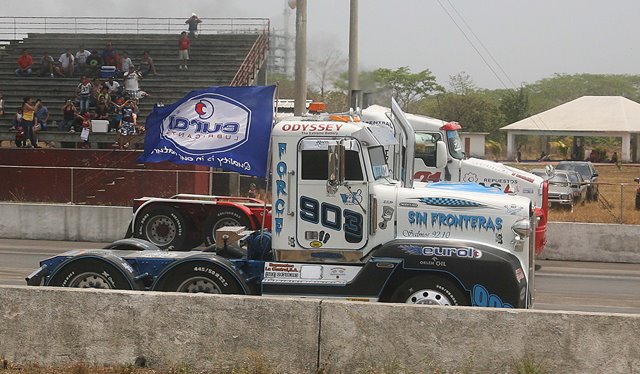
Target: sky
x,y
521,41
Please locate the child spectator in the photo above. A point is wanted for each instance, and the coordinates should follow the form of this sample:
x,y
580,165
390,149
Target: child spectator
x,y
16,124
24,62
146,65
83,91
127,125
86,130
81,60
69,113
183,54
193,22
125,62
67,63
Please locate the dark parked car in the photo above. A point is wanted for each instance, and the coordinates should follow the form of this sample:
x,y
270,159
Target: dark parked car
x,y
588,172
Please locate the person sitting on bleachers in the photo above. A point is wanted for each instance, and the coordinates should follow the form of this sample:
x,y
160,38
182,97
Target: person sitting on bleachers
x,y
110,56
67,63
104,102
81,60
95,91
113,86
94,63
69,113
125,62
24,62
146,65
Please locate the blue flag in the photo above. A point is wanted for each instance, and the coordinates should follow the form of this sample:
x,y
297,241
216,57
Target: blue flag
x,y
221,127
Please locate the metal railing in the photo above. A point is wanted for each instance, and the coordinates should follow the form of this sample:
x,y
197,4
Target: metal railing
x,y
253,61
83,185
17,28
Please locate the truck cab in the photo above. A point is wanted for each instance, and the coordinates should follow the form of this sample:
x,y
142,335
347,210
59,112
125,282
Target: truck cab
x,y
439,156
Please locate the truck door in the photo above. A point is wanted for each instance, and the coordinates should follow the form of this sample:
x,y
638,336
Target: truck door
x,y
425,161
331,221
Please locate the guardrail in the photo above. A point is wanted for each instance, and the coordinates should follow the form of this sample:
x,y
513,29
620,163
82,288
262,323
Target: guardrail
x,y
16,28
254,60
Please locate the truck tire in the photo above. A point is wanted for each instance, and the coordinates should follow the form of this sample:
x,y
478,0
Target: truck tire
x,y
221,218
429,290
199,277
163,226
92,272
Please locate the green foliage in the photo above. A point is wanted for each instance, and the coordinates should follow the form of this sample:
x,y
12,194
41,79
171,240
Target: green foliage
x,y
405,86
494,147
514,105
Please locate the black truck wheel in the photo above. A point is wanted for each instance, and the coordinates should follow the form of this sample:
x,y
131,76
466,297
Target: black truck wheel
x,y
429,290
93,272
163,226
199,276
222,218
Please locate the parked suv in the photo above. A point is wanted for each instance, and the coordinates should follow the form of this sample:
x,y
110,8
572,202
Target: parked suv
x,y
588,172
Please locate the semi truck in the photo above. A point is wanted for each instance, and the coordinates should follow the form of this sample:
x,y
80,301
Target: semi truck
x,y
341,227
440,156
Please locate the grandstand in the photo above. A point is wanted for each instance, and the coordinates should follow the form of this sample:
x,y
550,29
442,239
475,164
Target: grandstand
x,y
220,55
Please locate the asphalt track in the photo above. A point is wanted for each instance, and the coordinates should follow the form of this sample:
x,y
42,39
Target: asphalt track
x,y
560,285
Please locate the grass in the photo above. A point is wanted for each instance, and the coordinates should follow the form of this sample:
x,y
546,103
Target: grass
x,y
616,203
257,364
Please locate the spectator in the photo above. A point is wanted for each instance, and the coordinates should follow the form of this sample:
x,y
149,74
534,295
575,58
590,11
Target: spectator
x,y
47,67
146,65
253,191
81,60
114,124
110,56
94,63
86,130
125,62
183,54
28,114
193,22
42,116
24,62
69,113
1,104
113,86
67,63
104,101
131,86
16,124
83,91
95,91
127,125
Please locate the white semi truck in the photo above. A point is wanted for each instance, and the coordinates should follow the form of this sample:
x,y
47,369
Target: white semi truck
x,y
342,227
439,156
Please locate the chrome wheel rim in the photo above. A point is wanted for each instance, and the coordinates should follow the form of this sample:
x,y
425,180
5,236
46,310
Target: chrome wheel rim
x,y
429,297
199,285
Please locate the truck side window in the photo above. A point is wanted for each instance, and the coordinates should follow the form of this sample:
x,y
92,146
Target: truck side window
x,y
426,148
314,165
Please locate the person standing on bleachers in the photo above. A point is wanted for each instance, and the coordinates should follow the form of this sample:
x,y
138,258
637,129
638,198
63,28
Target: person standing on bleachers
x,y
193,22
81,60
28,117
131,86
84,90
110,56
67,63
42,115
183,54
24,62
125,62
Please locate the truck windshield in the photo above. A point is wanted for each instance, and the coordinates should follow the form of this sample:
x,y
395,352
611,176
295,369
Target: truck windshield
x,y
455,144
378,162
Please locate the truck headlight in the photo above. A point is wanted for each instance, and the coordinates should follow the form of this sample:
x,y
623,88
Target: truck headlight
x,y
522,227
564,196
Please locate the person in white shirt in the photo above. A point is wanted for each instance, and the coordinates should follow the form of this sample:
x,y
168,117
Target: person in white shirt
x,y
67,63
131,79
113,86
125,62
81,60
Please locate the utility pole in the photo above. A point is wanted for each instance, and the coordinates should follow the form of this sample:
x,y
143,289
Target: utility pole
x,y
301,59
354,85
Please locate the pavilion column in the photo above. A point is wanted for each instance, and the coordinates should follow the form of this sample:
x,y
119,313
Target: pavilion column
x,y
636,154
626,147
511,145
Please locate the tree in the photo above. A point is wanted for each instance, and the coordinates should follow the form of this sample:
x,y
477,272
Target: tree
x,y
476,112
514,105
326,69
462,83
405,86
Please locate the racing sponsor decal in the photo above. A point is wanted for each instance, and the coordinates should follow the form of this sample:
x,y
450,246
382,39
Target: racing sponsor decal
x,y
311,128
352,198
457,252
455,221
481,297
513,209
427,176
281,189
424,234
275,272
470,177
387,214
408,205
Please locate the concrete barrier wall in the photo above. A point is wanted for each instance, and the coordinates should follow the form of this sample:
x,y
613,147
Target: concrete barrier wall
x,y
566,241
63,222
204,332
592,242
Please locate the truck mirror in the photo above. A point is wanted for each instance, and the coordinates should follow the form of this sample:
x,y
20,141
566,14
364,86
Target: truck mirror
x,y
336,171
441,154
